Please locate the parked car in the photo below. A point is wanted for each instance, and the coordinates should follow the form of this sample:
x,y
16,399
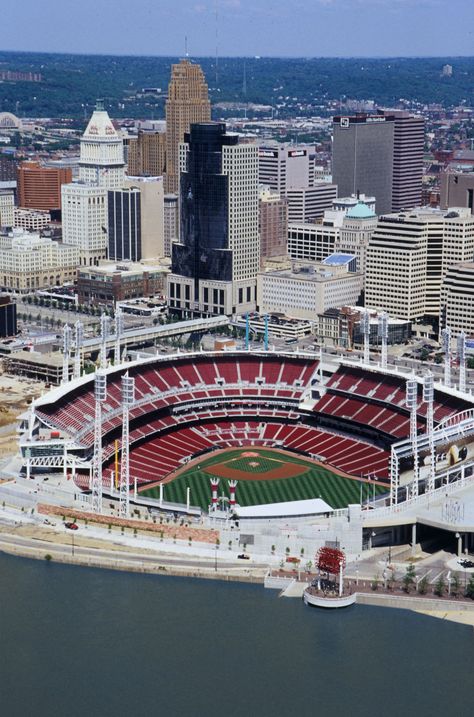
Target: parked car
x,y
71,526
242,556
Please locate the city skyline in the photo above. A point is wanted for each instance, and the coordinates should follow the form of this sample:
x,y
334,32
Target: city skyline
x,y
240,28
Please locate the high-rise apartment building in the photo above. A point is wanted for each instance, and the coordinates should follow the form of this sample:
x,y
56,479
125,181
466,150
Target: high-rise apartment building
x,y
124,224
215,263
188,103
85,221
40,187
408,257
380,154
151,213
102,158
273,224
147,154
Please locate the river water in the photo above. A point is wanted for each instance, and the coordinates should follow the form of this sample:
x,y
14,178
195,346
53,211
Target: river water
x,y
77,641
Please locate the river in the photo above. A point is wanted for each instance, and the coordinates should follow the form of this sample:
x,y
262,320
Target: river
x,y
77,641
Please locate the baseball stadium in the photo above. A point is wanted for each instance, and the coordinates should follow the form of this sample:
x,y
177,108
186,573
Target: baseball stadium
x,y
217,430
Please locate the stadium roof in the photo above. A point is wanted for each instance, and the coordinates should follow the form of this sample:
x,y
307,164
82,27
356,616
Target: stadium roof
x,y
287,509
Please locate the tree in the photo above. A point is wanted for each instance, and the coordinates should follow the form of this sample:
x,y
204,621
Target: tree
x,y
455,585
439,587
470,588
409,578
423,585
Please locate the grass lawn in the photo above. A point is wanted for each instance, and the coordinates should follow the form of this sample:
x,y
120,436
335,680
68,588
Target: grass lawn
x,y
316,482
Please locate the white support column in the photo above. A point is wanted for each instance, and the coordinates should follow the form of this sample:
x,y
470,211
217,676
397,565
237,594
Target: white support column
x,y
78,341
214,486
446,339
394,476
104,335
118,335
365,326
412,403
100,394
128,398
428,398
67,344
232,489
383,335
462,360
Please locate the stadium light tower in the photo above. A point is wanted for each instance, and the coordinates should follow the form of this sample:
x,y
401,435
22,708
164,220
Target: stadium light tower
x,y
383,335
118,334
67,345
104,335
428,398
462,360
365,326
128,398
446,339
78,341
214,487
100,395
412,403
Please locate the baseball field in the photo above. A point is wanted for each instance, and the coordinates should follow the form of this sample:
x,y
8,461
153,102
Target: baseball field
x,y
264,476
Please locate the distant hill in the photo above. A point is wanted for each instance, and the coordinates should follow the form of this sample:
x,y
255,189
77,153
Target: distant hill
x,y
71,83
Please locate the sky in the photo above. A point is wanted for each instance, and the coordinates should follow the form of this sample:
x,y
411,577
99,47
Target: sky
x,y
301,28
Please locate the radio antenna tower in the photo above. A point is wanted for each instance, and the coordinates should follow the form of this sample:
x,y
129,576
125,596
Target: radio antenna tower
x,y
428,398
78,340
383,334
100,395
217,41
67,345
128,398
118,335
446,339
412,403
365,325
462,360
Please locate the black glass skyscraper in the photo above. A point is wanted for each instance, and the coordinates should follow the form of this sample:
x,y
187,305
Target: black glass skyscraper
x,y
203,251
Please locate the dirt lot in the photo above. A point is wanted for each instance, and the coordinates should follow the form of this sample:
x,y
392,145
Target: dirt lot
x,y
16,395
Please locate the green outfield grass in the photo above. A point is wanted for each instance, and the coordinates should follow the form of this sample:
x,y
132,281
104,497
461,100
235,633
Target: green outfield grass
x,y
317,482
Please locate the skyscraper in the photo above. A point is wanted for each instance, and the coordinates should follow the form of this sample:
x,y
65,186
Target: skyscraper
x,y
362,157
102,159
215,263
40,187
380,154
124,224
147,154
187,103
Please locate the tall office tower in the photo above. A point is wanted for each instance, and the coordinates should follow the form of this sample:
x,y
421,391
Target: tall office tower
x,y
362,157
188,103
290,171
273,224
408,147
84,219
409,255
151,213
286,166
8,168
457,189
147,154
215,263
40,187
171,222
7,208
457,299
102,160
356,231
124,226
